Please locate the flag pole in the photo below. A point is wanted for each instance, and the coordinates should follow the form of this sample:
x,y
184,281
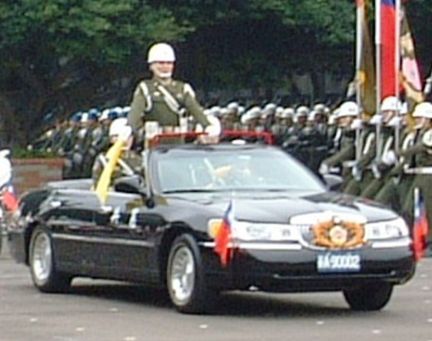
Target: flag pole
x,y
428,85
359,47
378,45
398,13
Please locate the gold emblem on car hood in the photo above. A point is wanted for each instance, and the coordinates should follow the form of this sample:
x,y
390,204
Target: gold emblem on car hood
x,y
336,233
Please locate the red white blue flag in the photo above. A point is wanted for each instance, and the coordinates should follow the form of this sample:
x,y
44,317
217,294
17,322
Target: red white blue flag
x,y
421,226
223,239
10,201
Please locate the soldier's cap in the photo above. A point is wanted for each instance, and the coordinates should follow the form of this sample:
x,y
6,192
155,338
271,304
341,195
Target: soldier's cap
x,y
225,112
104,115
348,109
216,110
270,107
311,116
390,103
92,116
320,108
302,110
84,117
251,114
279,111
288,113
94,112
233,106
423,110
76,117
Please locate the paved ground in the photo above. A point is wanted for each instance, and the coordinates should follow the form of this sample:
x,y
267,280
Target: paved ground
x,y
105,311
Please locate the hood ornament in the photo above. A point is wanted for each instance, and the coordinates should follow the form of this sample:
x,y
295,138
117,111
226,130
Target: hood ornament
x,y
338,233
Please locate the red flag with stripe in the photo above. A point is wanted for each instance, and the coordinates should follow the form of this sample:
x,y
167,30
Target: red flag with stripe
x,y
10,201
421,226
223,237
389,70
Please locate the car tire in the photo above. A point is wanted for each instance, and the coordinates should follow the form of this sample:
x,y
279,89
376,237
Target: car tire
x,y
42,263
186,282
370,297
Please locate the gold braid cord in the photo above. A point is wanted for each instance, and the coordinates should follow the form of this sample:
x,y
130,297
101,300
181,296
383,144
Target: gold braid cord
x,y
341,235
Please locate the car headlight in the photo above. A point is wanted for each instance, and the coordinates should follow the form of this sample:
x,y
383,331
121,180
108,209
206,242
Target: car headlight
x,y
249,231
386,229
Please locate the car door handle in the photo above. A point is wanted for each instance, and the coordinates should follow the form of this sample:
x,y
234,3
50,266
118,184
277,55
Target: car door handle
x,y
105,209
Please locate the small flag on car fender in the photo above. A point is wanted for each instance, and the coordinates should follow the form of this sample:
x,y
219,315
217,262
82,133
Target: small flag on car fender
x,y
421,227
223,237
10,200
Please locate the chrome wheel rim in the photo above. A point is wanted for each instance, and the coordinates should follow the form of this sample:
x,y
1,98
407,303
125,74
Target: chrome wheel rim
x,y
42,258
182,279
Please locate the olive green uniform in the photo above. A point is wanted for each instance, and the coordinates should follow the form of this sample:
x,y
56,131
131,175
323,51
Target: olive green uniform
x,y
356,184
422,173
382,171
395,190
165,103
345,153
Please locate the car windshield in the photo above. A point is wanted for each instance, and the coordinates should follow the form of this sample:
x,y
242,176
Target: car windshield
x,y
213,170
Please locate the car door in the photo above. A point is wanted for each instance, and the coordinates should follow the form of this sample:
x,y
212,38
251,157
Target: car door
x,y
125,238
73,229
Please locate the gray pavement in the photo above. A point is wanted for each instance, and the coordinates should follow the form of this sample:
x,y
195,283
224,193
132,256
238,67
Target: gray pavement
x,y
105,311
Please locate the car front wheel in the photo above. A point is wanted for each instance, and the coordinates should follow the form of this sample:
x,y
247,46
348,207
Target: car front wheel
x,y
370,297
42,264
185,277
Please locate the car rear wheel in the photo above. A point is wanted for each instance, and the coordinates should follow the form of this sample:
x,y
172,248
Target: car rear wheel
x,y
185,277
43,265
369,297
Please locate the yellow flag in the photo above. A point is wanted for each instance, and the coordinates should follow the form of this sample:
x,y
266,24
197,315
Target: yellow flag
x,y
113,156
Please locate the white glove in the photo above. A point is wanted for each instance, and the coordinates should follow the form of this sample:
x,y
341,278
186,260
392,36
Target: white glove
x,y
324,169
376,172
215,128
389,158
356,173
376,120
357,124
395,122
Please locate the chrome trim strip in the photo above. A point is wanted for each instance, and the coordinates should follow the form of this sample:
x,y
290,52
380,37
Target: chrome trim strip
x,y
390,244
100,240
258,246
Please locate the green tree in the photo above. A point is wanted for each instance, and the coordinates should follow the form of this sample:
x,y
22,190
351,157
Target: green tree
x,y
68,51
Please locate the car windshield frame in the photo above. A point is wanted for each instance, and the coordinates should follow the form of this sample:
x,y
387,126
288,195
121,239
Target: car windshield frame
x,y
261,159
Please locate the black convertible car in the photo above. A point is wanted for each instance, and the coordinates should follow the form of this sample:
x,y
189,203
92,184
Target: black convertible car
x,y
286,232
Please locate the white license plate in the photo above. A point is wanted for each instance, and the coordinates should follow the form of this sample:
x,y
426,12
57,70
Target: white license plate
x,y
338,262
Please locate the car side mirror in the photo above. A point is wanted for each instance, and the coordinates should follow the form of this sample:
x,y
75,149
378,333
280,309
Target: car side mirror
x,y
333,182
130,184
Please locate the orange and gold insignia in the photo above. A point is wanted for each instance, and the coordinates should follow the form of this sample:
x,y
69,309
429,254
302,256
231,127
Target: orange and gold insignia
x,y
338,234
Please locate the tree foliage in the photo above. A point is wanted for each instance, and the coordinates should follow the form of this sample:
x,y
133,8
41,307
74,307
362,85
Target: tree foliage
x,y
63,55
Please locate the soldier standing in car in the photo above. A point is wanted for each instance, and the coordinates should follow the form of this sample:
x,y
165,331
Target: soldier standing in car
x,y
162,98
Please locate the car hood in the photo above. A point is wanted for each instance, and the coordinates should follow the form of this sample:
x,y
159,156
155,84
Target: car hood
x,y
281,207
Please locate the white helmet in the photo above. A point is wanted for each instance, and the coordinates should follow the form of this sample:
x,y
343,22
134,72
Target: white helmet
x,y
119,127
390,103
348,109
161,52
288,113
423,110
302,111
